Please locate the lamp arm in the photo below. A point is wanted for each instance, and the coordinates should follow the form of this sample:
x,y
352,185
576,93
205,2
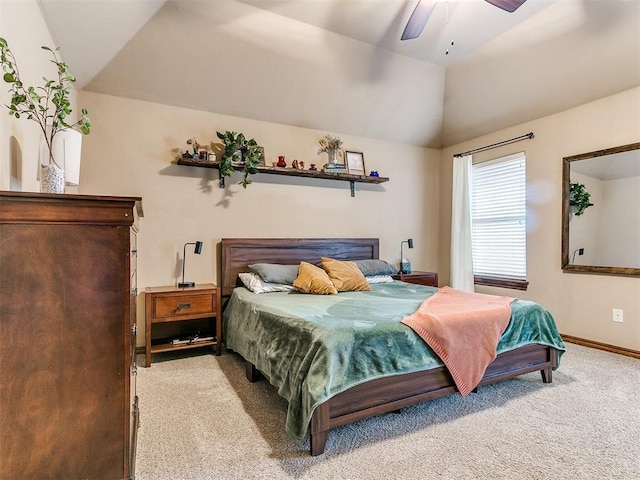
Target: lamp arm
x,y
184,259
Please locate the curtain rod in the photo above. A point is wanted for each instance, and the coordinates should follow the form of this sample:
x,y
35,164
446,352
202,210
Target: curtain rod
x,y
494,145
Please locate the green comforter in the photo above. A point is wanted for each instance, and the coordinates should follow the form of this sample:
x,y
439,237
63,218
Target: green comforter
x,y
312,347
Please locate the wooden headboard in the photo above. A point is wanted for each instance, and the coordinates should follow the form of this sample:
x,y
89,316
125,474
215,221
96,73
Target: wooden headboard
x,y
238,253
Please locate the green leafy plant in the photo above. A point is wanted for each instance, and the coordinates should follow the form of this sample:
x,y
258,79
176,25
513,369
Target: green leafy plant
x,y
237,146
579,198
48,105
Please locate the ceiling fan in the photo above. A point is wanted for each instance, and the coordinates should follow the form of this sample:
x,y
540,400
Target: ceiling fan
x,y
424,9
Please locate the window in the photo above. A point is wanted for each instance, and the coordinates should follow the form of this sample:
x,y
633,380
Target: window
x,y
498,222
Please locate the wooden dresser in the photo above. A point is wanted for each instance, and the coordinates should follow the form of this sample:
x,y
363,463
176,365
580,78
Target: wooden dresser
x,y
68,404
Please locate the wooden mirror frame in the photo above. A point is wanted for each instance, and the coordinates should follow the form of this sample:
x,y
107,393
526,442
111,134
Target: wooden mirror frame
x,y
566,179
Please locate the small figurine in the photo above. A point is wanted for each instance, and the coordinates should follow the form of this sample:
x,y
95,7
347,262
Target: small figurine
x,y
297,165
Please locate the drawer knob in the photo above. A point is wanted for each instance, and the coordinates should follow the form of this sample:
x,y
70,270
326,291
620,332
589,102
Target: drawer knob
x,y
184,305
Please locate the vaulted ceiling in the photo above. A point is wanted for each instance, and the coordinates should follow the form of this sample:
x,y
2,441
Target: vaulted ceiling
x,y
339,65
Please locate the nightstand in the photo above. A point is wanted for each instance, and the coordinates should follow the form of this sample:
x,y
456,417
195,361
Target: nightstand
x,y
182,318
428,279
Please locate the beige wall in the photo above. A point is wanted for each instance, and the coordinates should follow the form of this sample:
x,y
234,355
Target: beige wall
x,y
20,137
581,304
130,152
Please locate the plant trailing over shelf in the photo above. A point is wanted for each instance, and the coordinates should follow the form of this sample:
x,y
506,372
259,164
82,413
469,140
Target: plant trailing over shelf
x,y
47,105
249,154
579,198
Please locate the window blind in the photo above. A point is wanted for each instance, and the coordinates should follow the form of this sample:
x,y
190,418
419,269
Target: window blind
x,y
498,217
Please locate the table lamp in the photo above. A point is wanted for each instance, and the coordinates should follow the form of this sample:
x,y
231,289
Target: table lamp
x,y
197,250
405,265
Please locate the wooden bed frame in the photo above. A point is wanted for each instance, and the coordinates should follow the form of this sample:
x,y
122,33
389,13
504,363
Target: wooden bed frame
x,y
377,396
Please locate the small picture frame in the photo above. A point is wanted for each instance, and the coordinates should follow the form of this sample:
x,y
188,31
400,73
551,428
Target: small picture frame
x,y
355,163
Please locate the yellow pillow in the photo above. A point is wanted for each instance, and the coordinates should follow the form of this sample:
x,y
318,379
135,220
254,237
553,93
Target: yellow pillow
x,y
312,279
346,276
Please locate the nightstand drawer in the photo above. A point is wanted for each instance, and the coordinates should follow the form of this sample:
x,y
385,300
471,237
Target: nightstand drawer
x,y
183,305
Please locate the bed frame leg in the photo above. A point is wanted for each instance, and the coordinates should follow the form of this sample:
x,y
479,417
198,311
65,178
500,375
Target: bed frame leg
x,y
546,373
250,371
319,429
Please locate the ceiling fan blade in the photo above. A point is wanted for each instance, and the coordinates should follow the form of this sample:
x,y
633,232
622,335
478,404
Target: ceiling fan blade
x,y
418,19
508,5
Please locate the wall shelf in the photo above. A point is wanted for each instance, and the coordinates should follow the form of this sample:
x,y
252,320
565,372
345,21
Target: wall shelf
x,y
290,172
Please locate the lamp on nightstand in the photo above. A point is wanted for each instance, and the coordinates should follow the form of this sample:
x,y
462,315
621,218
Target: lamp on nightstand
x,y
405,265
197,250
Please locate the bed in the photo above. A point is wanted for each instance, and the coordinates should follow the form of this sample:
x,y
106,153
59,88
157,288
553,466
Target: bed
x,y
403,382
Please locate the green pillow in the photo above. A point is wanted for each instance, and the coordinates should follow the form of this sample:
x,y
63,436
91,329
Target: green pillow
x,y
276,272
371,268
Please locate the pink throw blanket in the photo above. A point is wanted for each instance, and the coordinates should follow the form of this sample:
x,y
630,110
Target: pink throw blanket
x,y
464,329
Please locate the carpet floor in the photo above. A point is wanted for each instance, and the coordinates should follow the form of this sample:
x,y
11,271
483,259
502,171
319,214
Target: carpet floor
x,y
201,419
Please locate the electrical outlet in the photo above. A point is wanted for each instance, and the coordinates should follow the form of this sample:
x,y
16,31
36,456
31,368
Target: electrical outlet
x,y
617,315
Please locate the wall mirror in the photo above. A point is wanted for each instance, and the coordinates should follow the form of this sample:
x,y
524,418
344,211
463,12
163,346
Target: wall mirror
x,y
604,235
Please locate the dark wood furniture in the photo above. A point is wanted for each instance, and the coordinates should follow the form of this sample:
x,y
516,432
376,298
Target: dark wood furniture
x,y
428,279
377,396
68,404
183,311
290,172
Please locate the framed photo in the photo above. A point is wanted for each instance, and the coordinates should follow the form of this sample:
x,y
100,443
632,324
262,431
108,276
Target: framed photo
x,y
355,163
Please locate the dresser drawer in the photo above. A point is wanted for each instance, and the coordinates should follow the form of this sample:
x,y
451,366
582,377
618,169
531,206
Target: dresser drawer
x,y
172,307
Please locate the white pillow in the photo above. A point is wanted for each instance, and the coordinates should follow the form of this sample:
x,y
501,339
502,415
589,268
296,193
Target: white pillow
x,y
379,279
254,283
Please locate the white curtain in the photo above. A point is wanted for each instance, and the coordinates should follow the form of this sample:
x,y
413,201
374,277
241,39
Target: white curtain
x,y
461,256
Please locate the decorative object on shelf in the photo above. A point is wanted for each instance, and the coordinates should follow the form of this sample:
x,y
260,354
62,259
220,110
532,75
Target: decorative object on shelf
x,y
197,250
48,106
281,163
298,165
405,265
579,198
312,168
334,168
374,173
252,155
355,163
195,146
331,145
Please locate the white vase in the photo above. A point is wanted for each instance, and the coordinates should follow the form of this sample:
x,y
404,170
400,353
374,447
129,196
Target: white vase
x,y
333,155
65,167
51,179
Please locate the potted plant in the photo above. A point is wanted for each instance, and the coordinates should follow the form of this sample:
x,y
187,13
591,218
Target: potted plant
x,y
238,148
579,198
49,106
331,145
